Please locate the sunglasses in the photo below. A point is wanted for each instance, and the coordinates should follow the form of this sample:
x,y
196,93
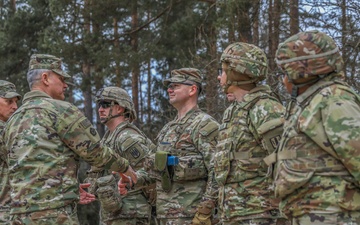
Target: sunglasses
x,y
105,105
174,86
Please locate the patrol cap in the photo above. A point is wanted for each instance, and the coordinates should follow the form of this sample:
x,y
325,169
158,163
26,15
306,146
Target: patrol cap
x,y
8,90
50,62
183,75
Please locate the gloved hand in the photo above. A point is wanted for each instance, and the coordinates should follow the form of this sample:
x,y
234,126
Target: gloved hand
x,y
85,198
204,213
124,184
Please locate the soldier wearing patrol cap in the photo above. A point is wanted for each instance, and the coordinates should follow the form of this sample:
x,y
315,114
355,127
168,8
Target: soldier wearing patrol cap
x,y
116,111
46,138
318,160
250,131
8,105
183,162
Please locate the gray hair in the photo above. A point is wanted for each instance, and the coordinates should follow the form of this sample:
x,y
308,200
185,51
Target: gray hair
x,y
34,76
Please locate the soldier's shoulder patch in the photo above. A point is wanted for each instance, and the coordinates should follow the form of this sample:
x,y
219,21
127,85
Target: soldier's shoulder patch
x,y
209,128
92,131
85,123
134,152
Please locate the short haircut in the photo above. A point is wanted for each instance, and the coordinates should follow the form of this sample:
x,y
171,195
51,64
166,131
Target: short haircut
x,y
33,76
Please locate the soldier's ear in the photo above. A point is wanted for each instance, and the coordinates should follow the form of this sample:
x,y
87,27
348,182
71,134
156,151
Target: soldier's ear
x,y
193,90
45,78
121,109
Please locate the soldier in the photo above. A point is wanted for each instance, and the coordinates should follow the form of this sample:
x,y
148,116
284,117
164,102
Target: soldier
x,y
250,130
116,111
8,105
183,165
46,137
318,160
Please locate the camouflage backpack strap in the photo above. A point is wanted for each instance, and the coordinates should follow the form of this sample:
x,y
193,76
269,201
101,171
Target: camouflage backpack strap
x,y
313,90
303,101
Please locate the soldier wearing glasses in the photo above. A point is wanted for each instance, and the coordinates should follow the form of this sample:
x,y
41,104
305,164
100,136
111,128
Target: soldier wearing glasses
x,y
116,112
183,162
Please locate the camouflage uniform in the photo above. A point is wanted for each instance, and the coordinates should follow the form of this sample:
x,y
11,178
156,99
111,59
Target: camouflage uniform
x,y
249,132
4,186
318,160
7,90
46,139
131,143
192,139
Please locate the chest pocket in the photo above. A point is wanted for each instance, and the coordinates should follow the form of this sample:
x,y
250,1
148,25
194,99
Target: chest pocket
x,y
190,167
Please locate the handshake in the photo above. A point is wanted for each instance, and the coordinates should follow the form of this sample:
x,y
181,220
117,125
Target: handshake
x,y
128,179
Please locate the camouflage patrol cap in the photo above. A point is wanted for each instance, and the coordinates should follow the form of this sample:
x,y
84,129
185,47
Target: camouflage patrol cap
x,y
120,96
50,62
8,90
184,74
245,59
309,53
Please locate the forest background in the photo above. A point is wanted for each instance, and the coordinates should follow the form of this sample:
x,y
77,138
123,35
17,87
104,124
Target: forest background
x,y
134,44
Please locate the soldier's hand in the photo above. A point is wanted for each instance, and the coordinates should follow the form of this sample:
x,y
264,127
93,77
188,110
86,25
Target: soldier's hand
x,y
124,184
85,198
132,174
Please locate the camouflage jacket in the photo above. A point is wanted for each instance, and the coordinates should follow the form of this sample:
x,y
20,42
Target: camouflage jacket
x,y
132,144
192,137
46,138
244,178
4,186
318,160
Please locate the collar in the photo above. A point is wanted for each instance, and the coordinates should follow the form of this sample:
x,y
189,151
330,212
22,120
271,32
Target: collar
x,y
35,94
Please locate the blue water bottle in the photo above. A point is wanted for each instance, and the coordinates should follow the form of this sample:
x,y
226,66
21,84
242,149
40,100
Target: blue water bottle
x,y
172,160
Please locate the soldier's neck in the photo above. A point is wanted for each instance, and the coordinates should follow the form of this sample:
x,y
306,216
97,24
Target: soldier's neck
x,y
185,108
114,122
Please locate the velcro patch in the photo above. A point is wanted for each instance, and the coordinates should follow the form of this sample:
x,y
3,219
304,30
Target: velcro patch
x,y
135,153
85,123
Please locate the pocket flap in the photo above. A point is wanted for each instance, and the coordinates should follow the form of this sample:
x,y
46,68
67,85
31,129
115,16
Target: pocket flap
x,y
161,160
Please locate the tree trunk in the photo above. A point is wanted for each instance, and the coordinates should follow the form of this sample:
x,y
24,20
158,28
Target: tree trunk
x,y
118,78
294,17
276,12
344,33
255,25
135,71
149,108
86,67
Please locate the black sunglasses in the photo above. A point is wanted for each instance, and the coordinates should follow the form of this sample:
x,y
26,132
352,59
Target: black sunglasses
x,y
105,105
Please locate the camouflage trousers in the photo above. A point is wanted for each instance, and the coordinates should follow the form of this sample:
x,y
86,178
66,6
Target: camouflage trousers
x,y
343,218
174,221
64,215
125,221
264,221
4,217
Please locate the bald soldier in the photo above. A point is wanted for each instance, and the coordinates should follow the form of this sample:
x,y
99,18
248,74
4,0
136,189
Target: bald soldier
x,y
46,137
8,105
